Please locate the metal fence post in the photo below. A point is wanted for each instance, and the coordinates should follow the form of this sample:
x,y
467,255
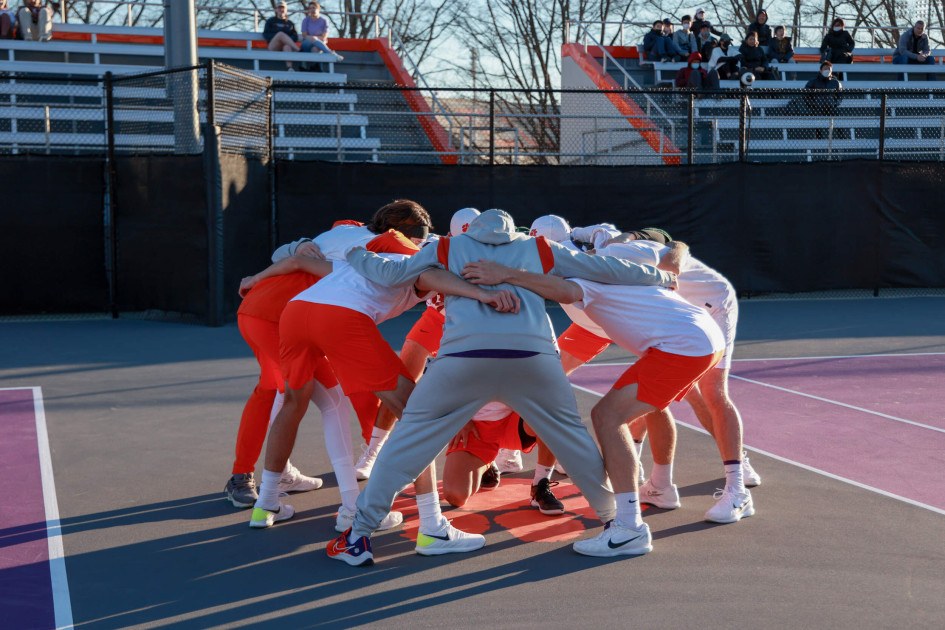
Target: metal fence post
x,y
211,98
491,127
742,138
111,249
270,150
691,126
882,127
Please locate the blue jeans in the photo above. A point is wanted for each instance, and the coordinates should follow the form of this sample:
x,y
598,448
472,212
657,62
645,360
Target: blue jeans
x,y
903,60
308,44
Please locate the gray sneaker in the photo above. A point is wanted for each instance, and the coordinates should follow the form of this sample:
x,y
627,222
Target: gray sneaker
x,y
241,490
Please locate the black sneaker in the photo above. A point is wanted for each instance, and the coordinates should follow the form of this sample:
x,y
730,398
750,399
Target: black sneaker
x,y
545,500
241,490
490,478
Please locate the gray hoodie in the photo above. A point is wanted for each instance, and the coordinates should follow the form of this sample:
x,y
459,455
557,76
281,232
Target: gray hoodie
x,y
471,325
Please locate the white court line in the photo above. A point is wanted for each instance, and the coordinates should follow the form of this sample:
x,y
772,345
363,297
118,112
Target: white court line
x,y
839,404
847,356
890,495
62,603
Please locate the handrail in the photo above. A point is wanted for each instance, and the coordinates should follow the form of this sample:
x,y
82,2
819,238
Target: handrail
x,y
627,78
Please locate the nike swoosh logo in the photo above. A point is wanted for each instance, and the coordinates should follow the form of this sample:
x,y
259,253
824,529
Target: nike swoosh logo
x,y
446,538
614,545
631,501
740,507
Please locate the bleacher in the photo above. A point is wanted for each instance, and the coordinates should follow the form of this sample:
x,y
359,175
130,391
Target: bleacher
x,y
315,113
777,128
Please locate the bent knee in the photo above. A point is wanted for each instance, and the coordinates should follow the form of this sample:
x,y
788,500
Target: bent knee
x,y
456,499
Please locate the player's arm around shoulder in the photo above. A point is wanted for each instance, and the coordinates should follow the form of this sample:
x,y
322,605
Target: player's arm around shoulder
x,y
607,269
392,273
291,264
487,272
674,258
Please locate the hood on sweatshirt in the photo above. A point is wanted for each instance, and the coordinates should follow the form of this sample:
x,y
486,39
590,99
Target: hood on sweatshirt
x,y
494,227
695,57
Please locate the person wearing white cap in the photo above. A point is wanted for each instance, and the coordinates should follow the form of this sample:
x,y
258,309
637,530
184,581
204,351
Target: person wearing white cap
x,y
421,343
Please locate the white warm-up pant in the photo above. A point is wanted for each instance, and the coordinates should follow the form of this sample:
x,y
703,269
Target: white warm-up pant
x,y
451,391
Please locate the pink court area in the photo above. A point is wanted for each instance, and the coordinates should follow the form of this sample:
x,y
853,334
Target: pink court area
x,y
847,416
25,584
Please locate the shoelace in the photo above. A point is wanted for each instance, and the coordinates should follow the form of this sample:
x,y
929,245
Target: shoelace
x,y
718,494
244,483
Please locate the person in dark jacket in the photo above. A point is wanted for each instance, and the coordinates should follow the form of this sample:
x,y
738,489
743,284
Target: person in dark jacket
x,y
838,44
824,104
761,29
657,46
705,40
695,77
781,50
754,58
914,48
722,59
280,32
700,20
685,38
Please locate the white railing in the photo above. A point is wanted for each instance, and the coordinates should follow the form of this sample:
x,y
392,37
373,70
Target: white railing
x,y
628,80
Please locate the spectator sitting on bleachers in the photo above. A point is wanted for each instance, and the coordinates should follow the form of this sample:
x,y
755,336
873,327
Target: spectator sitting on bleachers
x,y
761,29
700,20
719,60
685,40
754,59
823,104
914,48
705,39
34,21
693,76
782,50
280,32
315,31
657,46
678,55
838,44
7,21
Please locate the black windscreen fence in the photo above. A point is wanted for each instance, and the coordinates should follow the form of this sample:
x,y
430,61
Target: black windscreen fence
x,y
52,235
769,228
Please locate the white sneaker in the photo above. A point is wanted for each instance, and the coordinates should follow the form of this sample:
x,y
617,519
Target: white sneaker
x,y
509,461
294,481
338,57
365,465
560,469
346,518
447,540
730,507
751,477
263,518
665,498
617,540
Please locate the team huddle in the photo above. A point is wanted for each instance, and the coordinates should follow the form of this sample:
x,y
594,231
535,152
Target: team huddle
x,y
482,374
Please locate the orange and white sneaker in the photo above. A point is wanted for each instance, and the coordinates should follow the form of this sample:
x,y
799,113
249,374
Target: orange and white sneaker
x,y
356,554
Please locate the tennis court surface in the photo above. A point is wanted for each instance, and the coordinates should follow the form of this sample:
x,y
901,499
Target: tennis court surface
x,y
118,437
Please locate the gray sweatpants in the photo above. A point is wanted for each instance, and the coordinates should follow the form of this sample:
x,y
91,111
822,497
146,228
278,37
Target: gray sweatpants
x,y
450,393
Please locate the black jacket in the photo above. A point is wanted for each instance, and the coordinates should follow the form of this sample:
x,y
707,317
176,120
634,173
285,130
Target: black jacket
x,y
275,25
753,56
837,40
823,83
763,30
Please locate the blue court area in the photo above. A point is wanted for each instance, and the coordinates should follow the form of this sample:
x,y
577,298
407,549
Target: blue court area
x,y
142,416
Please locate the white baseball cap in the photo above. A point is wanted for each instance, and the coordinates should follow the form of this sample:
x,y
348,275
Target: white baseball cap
x,y
461,220
552,227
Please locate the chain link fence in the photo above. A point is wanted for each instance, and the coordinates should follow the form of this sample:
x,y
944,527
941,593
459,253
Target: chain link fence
x,y
161,112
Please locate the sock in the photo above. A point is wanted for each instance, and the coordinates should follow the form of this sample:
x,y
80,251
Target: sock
x,y
734,475
378,437
542,472
628,510
269,490
276,406
431,519
335,411
638,445
662,476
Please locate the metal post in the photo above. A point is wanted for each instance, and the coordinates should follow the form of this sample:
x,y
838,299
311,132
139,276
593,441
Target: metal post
x,y
180,49
742,138
621,34
211,97
130,21
64,12
691,125
46,126
111,249
377,27
255,21
882,127
567,32
491,127
273,217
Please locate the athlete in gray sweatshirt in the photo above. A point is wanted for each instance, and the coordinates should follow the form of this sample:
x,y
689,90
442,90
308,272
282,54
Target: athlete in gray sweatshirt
x,y
485,357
